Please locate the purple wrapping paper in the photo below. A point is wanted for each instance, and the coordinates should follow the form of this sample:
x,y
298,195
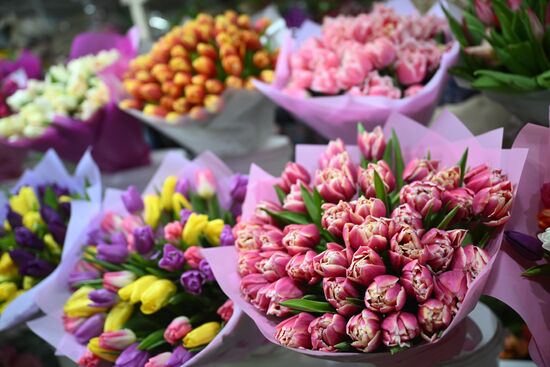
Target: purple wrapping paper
x,y
337,116
446,142
238,337
116,139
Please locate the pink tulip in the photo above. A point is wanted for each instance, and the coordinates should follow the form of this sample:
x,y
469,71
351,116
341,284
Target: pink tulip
x,y
372,232
405,246
372,144
404,216
364,330
420,170
177,330
283,289
447,178
417,281
463,198
483,176
273,265
293,173
172,231
365,207
399,329
485,13
261,216
301,78
334,185
433,316
294,201
337,291
450,288
334,148
300,238
111,222
193,256
293,332
245,236
251,284
335,216
471,260
301,269
115,280
438,250
423,196
263,297
366,178
88,359
270,238
366,265
70,324
382,86
117,340
342,162
205,183
411,67
160,360
226,310
385,294
324,81
413,90
514,5
327,331
247,262
382,52
332,262
350,73
493,204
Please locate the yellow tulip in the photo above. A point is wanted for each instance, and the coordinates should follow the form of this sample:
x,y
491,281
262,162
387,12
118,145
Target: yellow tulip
x,y
29,282
51,244
7,226
24,201
168,189
152,210
8,269
140,286
213,231
157,296
64,199
7,291
78,304
179,202
4,305
106,354
32,220
193,228
201,335
118,316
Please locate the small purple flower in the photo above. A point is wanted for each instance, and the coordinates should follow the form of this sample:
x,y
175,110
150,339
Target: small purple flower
x,y
132,200
90,328
182,186
172,258
192,281
527,246
206,270
144,239
113,253
14,219
102,298
179,356
184,216
226,237
76,277
24,237
239,182
132,357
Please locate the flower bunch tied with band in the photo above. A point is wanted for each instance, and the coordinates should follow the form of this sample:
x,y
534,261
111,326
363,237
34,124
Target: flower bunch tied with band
x,y
32,237
143,294
370,256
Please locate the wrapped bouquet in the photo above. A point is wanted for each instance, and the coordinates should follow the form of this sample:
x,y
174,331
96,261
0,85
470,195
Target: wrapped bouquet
x,y
381,248
35,215
363,67
138,291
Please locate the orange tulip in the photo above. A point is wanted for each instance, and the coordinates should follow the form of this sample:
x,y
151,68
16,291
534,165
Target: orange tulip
x,y
234,82
167,103
232,65
261,59
205,66
194,93
179,51
214,86
206,49
180,64
213,103
181,106
132,86
267,76
154,110
150,91
198,113
171,89
243,21
198,79
131,103
182,79
144,76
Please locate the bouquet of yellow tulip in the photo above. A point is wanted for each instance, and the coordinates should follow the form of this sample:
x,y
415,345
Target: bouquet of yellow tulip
x,y
142,292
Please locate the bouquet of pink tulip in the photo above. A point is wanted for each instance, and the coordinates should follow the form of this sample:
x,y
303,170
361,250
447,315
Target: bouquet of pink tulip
x,y
370,254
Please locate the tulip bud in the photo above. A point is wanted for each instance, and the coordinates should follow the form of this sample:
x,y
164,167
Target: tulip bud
x,y
214,86
300,238
227,49
182,79
117,340
334,185
385,294
433,316
133,87
332,262
150,92
372,233
232,65
177,329
294,201
485,13
366,265
493,204
364,330
420,170
327,331
334,148
273,265
178,51
226,310
133,291
194,93
201,335
528,247
300,268
372,145
180,64
483,176
471,260
417,281
192,281
206,50
234,82
261,216
270,238
261,59
404,216
247,262
144,77
127,104
399,329
338,291
206,183
205,66
292,174
462,198
181,105
157,296
294,331
450,288
116,280
438,250
132,356
423,196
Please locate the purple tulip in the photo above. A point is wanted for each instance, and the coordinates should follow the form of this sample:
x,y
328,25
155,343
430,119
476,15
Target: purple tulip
x,y
24,237
239,182
90,328
37,268
102,298
76,277
226,237
184,216
55,224
132,357
144,239
21,257
182,186
172,258
118,239
206,271
527,246
113,253
14,219
179,356
132,200
295,16
96,236
192,281
236,209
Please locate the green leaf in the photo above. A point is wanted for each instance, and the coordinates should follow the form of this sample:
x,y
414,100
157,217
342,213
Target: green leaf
x,y
280,194
50,198
356,301
380,190
543,80
399,164
311,297
388,153
198,203
288,217
313,210
448,218
344,347
456,28
543,270
462,166
151,339
489,79
329,237
214,211
396,349
134,269
475,27
428,218
307,305
104,264
505,18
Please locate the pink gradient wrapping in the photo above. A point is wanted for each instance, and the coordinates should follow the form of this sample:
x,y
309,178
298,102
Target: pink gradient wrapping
x,y
336,116
237,337
530,298
103,132
446,142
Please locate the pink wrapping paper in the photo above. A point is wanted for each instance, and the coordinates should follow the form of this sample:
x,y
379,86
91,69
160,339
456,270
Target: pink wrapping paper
x,y
530,298
446,145
337,116
237,337
103,132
